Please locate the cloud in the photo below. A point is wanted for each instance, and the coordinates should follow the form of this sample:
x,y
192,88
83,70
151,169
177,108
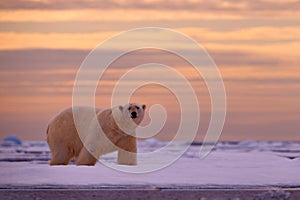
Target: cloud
x,y
273,43
199,5
41,59
59,59
44,71
36,25
103,15
11,40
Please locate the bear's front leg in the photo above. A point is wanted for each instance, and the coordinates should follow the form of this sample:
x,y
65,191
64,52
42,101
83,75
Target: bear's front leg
x,y
127,153
126,158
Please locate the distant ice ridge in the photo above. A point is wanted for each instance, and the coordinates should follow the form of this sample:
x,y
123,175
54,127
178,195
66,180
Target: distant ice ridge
x,y
11,140
25,151
13,149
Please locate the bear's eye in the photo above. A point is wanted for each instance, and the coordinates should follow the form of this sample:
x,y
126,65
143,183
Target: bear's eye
x,y
129,108
137,107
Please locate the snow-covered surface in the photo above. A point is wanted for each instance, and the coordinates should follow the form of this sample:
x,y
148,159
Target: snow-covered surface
x,y
245,164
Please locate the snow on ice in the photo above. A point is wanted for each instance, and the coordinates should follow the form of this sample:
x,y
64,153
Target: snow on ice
x,y
230,165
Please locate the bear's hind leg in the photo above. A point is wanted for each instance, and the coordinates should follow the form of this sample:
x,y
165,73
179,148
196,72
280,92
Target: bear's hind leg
x,y
85,158
62,158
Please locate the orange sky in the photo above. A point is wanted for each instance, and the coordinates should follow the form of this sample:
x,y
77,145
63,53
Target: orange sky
x,y
255,44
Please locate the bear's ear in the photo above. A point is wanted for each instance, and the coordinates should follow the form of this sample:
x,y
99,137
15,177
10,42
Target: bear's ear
x,y
144,106
121,108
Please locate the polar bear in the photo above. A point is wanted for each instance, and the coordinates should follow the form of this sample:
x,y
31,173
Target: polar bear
x,y
87,141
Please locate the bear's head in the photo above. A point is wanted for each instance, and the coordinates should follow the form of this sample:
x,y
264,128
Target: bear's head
x,y
133,111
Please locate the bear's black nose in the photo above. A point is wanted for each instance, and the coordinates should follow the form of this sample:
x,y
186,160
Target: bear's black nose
x,y
133,115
